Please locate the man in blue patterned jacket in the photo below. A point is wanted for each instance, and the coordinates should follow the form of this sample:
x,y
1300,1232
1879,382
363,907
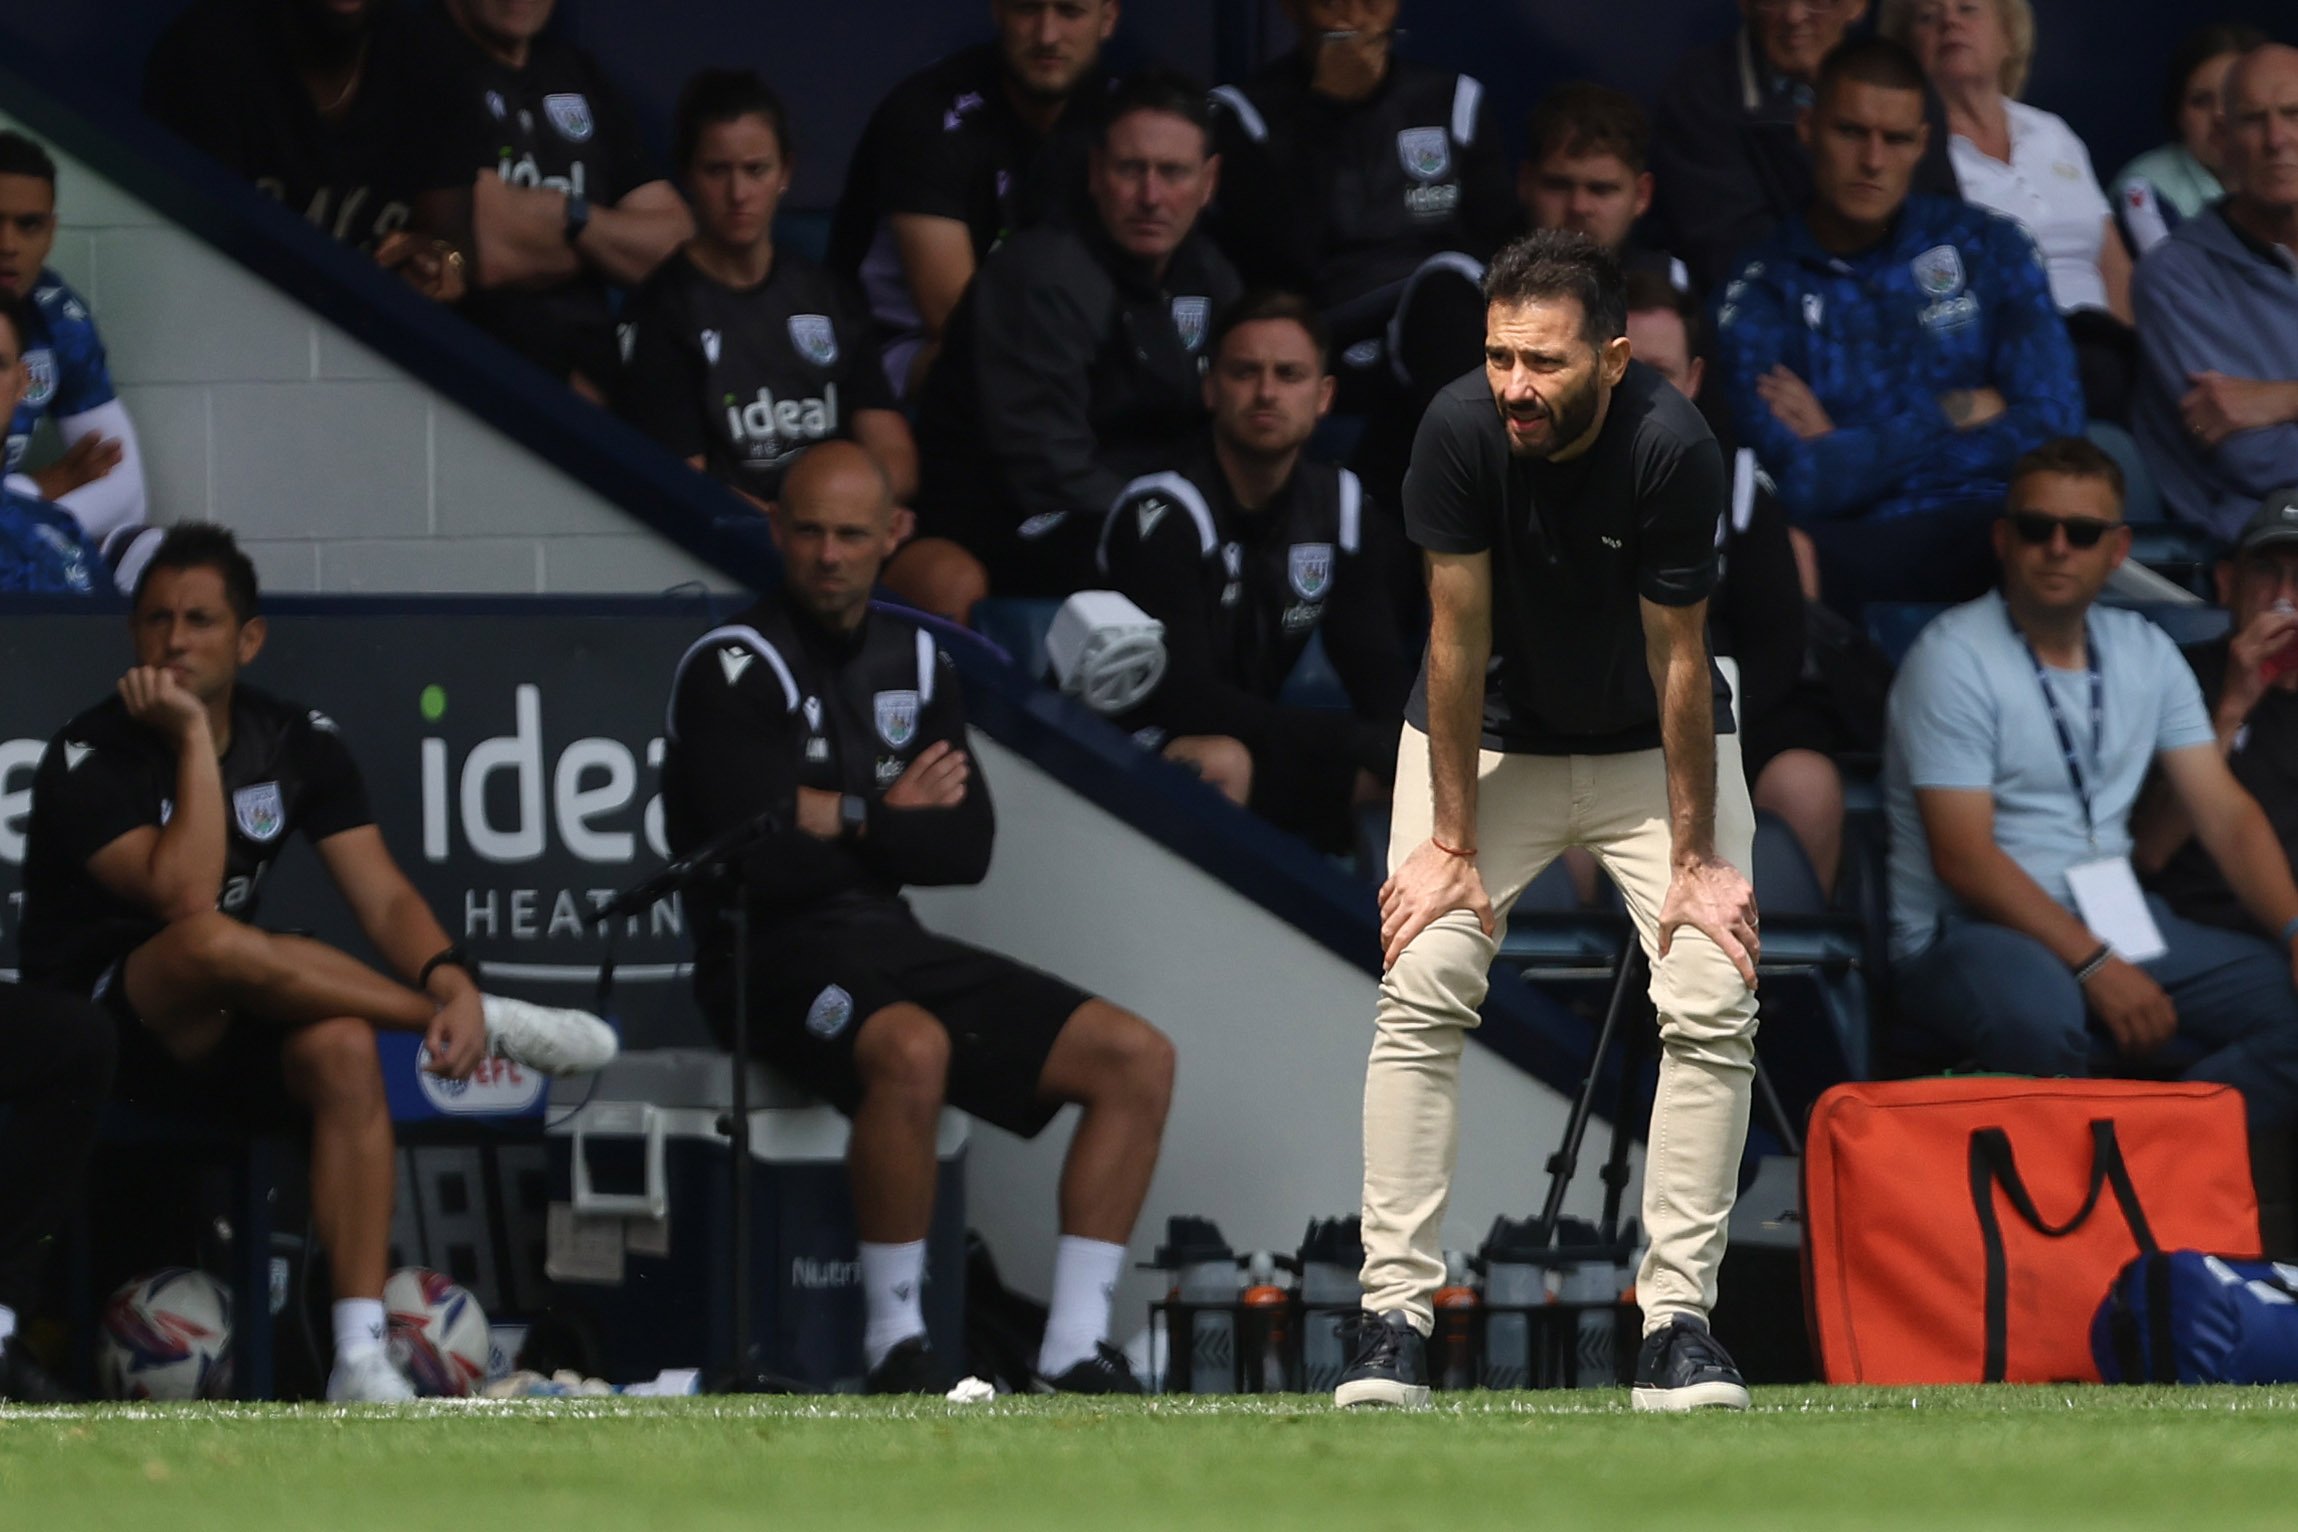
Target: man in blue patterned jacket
x,y
1890,357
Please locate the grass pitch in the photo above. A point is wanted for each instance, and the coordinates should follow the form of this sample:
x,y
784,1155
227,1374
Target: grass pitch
x,y
1935,1459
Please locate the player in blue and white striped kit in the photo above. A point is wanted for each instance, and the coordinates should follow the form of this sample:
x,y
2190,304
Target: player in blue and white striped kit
x,y
100,477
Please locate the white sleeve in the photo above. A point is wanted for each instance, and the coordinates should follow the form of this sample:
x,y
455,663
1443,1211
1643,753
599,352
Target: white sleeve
x,y
117,499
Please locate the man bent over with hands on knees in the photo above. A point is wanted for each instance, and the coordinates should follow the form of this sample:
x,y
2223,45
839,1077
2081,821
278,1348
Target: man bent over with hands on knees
x,y
1567,500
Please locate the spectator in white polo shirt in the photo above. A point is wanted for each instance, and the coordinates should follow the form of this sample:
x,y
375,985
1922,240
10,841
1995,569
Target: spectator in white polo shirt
x,y
2028,165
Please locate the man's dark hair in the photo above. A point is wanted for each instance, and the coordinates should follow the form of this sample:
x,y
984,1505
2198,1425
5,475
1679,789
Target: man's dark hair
x,y
17,310
1158,90
204,545
2198,48
725,95
1869,61
1584,118
1645,292
2072,457
1558,263
1264,303
20,156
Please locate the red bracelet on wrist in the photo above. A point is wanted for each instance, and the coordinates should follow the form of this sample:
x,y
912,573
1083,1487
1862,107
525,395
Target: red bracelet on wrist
x,y
1449,850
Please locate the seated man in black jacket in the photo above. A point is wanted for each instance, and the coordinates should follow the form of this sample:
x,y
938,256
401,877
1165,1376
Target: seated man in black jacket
x,y
1245,552
1071,364
849,724
1724,146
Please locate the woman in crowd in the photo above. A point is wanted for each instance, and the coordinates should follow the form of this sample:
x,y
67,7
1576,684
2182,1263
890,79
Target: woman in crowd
x,y
738,356
2172,182
2028,165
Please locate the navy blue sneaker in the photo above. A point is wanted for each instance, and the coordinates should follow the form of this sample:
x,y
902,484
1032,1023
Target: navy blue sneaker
x,y
1683,1368
1104,1372
24,1381
910,1368
1388,1362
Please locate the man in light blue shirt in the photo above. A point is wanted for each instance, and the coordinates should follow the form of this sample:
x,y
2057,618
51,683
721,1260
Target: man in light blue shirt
x,y
2022,727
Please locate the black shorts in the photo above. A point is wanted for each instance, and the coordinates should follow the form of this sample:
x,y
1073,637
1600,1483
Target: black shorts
x,y
242,1081
813,986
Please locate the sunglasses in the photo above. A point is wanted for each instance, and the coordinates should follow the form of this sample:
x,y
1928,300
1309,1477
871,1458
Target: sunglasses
x,y
2082,531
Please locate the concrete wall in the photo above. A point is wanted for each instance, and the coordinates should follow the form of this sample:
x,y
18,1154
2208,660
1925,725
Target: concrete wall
x,y
341,473
1271,1028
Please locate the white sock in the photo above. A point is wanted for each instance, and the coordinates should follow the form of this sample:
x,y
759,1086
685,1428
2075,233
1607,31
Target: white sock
x,y
7,1322
1084,1281
358,1326
893,1282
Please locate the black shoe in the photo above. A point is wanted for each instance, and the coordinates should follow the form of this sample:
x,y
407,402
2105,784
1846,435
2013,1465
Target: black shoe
x,y
1683,1368
910,1368
25,1381
1104,1372
1388,1362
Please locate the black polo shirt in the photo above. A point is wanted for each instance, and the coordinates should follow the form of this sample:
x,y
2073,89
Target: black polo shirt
x,y
947,143
1574,546
556,122
2265,761
747,378
286,772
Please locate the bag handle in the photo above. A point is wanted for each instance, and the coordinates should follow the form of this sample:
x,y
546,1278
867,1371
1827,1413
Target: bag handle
x,y
1993,1164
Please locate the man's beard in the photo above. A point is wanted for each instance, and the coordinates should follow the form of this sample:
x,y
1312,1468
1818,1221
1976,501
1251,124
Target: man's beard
x,y
1568,421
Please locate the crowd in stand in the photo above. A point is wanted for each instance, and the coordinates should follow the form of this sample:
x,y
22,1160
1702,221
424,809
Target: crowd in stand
x,y
1126,333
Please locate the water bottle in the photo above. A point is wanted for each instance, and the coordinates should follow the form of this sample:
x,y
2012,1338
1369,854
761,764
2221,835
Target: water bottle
x,y
1452,1350
1594,1277
1331,1255
1517,1279
1264,1329
1205,1284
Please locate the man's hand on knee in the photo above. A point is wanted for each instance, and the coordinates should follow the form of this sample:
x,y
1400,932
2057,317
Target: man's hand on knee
x,y
1426,886
1715,898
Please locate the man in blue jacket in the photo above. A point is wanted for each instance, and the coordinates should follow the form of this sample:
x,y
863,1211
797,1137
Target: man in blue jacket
x,y
2217,409
1890,356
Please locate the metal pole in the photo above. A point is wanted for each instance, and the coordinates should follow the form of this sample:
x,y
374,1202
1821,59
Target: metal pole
x,y
746,1367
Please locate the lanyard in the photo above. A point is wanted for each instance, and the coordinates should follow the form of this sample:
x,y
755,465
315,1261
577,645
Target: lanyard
x,y
2059,722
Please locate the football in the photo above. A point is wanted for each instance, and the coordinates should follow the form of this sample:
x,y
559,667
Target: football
x,y
166,1336
438,1333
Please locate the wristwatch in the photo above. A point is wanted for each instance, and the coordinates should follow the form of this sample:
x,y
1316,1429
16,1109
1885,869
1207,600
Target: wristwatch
x,y
578,215
853,814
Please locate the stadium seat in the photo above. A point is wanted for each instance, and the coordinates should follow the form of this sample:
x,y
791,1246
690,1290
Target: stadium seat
x,y
1893,625
1018,625
2141,501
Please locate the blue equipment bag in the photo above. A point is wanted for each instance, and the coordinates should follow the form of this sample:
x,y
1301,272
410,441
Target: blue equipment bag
x,y
2181,1316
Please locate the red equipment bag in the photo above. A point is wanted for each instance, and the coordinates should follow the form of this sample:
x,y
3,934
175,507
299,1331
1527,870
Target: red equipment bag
x,y
1964,1230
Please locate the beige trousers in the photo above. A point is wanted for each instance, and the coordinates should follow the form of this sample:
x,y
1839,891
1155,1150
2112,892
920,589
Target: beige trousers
x,y
1529,809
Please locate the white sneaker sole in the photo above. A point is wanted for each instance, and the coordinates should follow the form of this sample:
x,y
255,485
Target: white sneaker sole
x,y
1381,1393
1699,1396
550,1040
358,1387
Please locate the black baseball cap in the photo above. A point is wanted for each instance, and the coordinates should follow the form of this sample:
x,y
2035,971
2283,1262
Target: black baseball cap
x,y
2274,522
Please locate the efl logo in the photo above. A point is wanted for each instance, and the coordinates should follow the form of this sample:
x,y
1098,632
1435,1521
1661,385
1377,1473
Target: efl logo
x,y
496,1086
